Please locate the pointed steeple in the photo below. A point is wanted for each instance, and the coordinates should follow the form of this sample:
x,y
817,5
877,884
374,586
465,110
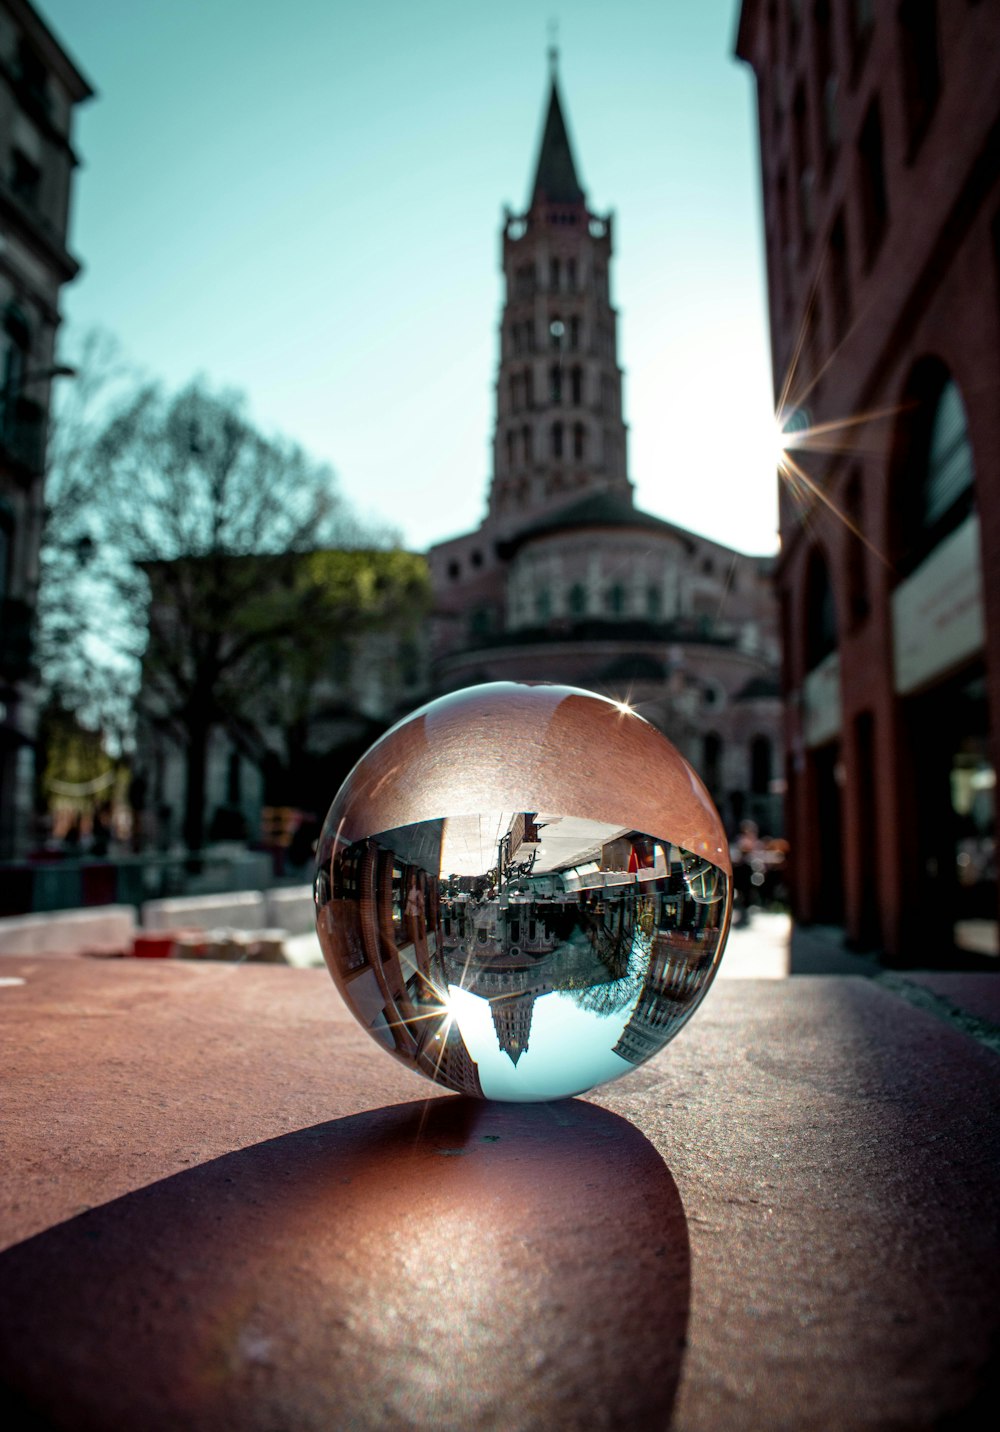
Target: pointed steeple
x,y
555,173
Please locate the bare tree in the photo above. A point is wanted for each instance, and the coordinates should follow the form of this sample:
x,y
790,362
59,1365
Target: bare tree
x,y
184,532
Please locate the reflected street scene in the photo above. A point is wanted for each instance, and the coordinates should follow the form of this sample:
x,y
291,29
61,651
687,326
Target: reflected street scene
x,y
521,954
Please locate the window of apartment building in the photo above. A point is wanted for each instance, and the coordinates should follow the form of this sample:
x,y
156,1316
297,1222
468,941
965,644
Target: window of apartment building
x,y
874,193
15,338
481,621
574,332
949,473
862,23
821,613
579,440
772,34
571,275
557,439
555,275
526,444
794,24
555,383
576,386
615,599
783,230
840,282
32,75
815,353
25,176
510,450
577,599
828,125
934,465
524,281
858,600
804,174
920,65
6,544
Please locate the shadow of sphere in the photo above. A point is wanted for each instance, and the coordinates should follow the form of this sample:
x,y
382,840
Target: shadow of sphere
x,y
455,1264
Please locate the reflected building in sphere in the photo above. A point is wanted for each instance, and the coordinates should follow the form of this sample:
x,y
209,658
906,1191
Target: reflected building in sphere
x,y
879,136
566,580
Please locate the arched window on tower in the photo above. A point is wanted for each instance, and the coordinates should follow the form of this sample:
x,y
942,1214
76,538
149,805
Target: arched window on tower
x,y
579,440
571,275
574,332
616,599
526,444
555,383
577,599
515,393
555,275
557,439
510,449
576,385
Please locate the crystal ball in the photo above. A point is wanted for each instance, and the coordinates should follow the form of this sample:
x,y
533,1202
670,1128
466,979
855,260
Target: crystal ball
x,y
523,891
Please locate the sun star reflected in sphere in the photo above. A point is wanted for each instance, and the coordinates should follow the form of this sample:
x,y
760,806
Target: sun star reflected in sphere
x,y
499,964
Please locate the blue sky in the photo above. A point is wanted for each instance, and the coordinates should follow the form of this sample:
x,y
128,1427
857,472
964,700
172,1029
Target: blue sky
x,y
302,201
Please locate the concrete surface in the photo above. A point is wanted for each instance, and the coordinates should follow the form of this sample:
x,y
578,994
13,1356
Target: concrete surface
x,y
224,1206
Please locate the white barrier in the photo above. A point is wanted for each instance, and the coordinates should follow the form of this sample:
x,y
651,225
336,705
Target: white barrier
x,y
243,911
292,908
106,929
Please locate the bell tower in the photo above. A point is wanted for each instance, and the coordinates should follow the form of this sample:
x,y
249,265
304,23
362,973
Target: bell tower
x,y
559,432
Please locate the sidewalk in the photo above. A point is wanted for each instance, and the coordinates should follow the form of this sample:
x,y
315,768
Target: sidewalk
x,y
223,1206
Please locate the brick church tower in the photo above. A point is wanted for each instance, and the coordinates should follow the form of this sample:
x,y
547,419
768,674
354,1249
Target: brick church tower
x,y
565,579
559,430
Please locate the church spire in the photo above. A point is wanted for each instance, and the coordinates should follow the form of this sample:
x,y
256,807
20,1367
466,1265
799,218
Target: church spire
x,y
555,173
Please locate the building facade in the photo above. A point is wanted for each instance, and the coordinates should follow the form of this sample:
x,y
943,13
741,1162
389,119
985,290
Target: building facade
x,y
879,139
566,579
39,89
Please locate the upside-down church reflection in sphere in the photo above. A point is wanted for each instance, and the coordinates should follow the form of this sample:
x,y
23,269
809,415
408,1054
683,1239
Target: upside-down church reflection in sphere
x,y
523,891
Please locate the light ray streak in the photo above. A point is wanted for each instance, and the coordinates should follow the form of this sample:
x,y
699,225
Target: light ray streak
x,y
793,468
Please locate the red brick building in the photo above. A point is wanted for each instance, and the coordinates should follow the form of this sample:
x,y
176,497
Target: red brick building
x,y
880,168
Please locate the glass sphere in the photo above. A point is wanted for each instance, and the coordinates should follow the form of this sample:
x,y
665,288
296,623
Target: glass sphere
x,y
523,891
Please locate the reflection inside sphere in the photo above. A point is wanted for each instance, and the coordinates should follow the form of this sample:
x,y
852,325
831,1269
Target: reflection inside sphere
x,y
520,954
